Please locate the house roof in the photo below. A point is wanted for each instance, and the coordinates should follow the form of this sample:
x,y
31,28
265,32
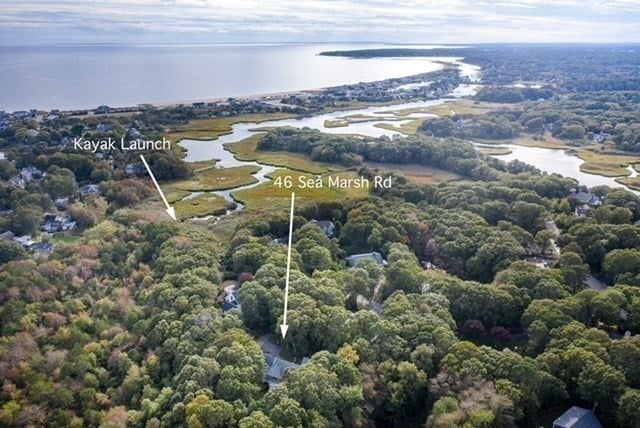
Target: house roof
x,y
577,417
327,226
276,368
324,223
354,259
7,235
585,198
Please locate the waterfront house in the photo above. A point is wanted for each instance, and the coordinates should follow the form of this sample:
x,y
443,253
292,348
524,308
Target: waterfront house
x,y
583,198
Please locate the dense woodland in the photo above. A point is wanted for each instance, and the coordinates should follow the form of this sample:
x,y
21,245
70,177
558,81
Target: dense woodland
x,y
578,119
123,327
592,92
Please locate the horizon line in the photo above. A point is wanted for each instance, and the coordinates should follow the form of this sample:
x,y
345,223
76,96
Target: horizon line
x,y
346,42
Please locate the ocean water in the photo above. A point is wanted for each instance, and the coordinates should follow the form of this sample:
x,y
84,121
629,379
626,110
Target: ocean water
x,y
85,76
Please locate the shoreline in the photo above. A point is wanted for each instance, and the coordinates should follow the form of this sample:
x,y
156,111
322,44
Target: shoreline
x,y
270,96
442,62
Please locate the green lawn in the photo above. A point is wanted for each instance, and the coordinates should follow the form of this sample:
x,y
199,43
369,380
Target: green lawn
x,y
201,205
212,178
268,195
247,150
209,129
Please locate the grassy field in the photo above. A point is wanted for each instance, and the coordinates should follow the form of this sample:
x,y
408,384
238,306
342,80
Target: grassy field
x,y
343,121
527,140
460,107
200,206
418,174
66,238
409,128
609,165
226,226
268,195
247,150
209,179
497,151
549,142
209,129
632,183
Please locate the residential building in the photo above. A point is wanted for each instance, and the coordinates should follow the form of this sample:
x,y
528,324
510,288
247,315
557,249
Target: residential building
x,y
584,198
231,299
354,259
61,203
89,189
55,223
277,368
26,176
43,248
8,235
577,417
132,169
327,227
25,241
583,210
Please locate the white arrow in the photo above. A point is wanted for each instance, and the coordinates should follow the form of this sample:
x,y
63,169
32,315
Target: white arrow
x,y
170,210
284,326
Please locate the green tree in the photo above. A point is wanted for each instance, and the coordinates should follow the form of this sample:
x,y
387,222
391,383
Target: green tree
x,y
256,420
621,263
60,183
10,250
628,414
601,383
574,270
202,412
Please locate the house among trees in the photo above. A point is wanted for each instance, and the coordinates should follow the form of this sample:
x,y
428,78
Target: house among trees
x,y
61,203
43,248
276,368
354,259
25,241
103,109
582,198
577,417
231,299
89,189
55,223
26,176
583,210
327,227
132,169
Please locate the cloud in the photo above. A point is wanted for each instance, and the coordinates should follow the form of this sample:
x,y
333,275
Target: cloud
x,y
436,21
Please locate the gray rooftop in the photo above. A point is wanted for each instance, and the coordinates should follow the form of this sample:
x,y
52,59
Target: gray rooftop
x,y
577,417
357,258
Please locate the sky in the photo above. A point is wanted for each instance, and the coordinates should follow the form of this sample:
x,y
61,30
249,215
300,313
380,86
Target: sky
x,y
399,21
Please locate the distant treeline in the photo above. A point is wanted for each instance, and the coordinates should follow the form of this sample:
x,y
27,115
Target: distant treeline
x,y
570,68
451,154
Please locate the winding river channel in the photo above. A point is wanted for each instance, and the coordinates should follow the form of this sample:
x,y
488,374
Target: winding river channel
x,y
547,160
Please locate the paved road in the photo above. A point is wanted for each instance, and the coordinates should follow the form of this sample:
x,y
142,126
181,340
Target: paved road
x,y
268,346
